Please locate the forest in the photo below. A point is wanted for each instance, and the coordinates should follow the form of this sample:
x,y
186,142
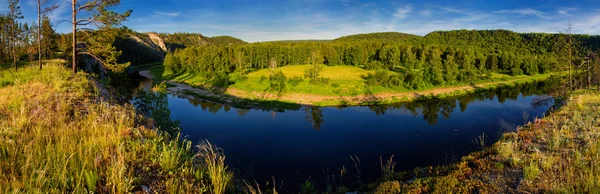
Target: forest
x,y
413,62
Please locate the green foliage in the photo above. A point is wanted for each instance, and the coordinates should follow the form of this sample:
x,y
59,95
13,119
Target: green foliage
x,y
294,81
113,150
378,36
531,171
262,79
307,188
154,105
172,62
313,74
278,80
388,187
384,78
225,40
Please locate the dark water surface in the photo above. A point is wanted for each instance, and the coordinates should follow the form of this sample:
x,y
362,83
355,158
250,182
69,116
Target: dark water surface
x,y
312,143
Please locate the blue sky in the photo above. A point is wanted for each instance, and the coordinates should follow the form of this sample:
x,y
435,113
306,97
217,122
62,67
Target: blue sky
x,y
263,20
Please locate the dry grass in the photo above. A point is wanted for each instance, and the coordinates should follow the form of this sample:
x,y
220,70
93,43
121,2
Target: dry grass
x,y
58,135
557,154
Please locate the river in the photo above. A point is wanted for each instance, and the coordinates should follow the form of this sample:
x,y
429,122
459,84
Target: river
x,y
315,144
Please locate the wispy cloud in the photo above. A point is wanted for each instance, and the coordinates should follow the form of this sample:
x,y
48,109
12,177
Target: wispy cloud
x,y
170,14
425,12
566,11
402,12
526,11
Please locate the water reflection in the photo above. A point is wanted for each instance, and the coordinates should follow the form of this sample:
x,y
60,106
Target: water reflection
x,y
429,109
429,132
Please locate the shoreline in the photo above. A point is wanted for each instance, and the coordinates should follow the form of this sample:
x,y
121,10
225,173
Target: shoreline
x,y
247,99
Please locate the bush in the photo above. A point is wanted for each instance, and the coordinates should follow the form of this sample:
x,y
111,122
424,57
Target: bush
x,y
319,80
262,79
278,80
516,71
294,81
388,187
220,80
531,171
384,78
374,65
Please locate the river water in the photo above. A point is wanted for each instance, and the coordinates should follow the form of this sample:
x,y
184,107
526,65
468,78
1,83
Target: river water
x,y
314,143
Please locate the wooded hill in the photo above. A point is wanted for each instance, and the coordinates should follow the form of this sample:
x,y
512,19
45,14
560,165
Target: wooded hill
x,y
439,58
378,36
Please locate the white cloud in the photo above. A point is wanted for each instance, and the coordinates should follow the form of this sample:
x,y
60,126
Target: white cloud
x,y
425,12
526,11
453,10
402,12
170,14
566,11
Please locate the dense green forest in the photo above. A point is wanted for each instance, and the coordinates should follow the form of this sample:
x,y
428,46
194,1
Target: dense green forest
x,y
378,36
437,59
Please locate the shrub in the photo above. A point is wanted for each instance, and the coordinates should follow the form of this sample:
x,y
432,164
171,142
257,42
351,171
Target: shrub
x,y
384,78
319,80
374,65
278,80
516,71
262,78
389,187
531,171
294,81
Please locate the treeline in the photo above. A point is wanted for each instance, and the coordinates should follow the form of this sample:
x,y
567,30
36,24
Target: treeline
x,y
183,40
23,37
416,64
378,36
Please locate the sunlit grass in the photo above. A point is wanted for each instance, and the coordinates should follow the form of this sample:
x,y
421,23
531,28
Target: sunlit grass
x,y
57,135
343,81
557,154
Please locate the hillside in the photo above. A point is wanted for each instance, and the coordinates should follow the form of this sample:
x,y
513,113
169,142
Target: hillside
x,y
378,36
225,40
64,132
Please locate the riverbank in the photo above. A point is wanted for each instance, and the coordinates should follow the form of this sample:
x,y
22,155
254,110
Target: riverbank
x,y
61,132
253,99
557,154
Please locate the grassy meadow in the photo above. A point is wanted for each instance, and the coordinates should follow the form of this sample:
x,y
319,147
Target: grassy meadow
x,y
344,82
61,132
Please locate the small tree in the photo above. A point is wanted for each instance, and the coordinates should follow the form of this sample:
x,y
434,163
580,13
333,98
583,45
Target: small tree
x,y
14,15
567,34
41,14
273,64
316,67
99,41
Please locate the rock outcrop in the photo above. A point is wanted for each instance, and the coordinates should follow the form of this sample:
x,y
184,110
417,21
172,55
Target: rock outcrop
x,y
158,41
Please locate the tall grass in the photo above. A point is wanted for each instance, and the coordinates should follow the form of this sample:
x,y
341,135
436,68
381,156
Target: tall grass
x,y
556,154
58,134
214,161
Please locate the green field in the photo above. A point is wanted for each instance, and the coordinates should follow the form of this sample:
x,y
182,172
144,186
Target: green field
x,y
343,81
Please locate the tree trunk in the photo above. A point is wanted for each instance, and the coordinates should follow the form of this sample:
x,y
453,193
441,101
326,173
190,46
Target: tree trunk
x,y
74,3
13,39
39,33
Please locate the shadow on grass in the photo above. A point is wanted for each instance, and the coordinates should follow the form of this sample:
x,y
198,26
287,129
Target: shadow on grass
x,y
217,94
